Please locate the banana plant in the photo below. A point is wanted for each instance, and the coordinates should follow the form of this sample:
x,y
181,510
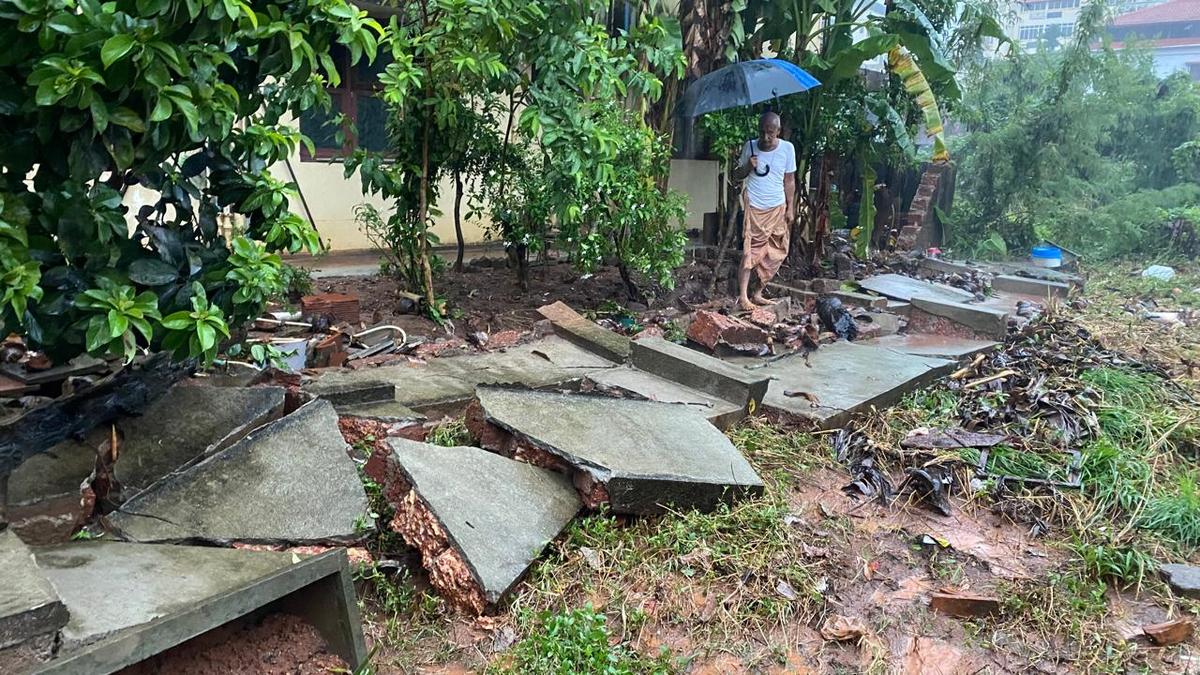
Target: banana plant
x,y
902,64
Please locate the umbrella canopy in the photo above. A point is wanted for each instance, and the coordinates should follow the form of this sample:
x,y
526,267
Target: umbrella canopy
x,y
745,83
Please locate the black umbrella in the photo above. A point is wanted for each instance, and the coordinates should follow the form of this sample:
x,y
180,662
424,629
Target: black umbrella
x,y
743,84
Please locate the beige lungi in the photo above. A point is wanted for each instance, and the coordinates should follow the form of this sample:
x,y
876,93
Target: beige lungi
x,y
765,240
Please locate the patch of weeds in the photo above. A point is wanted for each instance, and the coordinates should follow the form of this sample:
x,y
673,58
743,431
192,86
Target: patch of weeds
x,y
936,407
1065,613
1115,475
576,641
673,332
624,318
943,566
297,282
450,434
772,448
1176,514
394,598
1126,565
1005,460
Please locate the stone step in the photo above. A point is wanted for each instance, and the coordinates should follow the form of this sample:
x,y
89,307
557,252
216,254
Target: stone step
x,y
31,612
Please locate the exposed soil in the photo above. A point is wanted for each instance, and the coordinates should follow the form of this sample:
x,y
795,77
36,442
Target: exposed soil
x,y
486,296
281,644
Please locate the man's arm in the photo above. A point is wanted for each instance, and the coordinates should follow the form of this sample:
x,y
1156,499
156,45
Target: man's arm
x,y
789,194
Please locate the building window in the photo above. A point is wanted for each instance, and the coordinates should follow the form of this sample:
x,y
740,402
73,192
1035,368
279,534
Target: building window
x,y
1194,69
357,98
1032,32
1053,15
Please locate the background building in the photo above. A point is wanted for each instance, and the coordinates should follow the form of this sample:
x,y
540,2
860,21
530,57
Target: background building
x,y
1171,30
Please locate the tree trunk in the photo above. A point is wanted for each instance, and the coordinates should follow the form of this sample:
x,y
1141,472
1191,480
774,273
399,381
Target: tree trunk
x,y
631,289
422,213
458,195
731,209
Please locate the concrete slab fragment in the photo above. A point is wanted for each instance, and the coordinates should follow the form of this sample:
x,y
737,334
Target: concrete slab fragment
x,y
381,411
942,266
939,346
29,607
185,425
846,378
900,287
985,321
496,513
644,455
573,327
1039,287
721,413
698,370
442,383
131,601
290,481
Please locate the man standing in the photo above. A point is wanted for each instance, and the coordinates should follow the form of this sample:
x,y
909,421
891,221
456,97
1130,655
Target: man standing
x,y
769,166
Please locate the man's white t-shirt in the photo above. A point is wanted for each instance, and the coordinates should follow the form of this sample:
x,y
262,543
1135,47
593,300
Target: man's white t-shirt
x,y
766,192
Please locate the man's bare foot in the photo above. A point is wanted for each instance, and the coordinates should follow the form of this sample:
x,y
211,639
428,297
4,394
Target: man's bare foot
x,y
760,299
744,303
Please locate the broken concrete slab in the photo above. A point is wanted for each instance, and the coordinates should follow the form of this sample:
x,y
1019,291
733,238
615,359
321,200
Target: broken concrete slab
x,y
290,481
478,519
638,456
1183,579
860,300
589,335
700,371
29,607
943,266
1027,286
721,413
131,601
845,379
985,321
900,287
390,412
445,385
186,424
939,346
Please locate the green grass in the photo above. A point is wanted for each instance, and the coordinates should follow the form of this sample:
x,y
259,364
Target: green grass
x,y
1176,513
450,434
575,641
1125,565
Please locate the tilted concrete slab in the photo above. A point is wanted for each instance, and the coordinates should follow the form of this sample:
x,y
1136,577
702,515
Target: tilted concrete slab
x,y
846,378
290,481
943,266
938,346
185,425
698,370
646,455
1038,287
721,413
29,607
131,601
497,513
449,381
900,287
381,411
573,327
985,321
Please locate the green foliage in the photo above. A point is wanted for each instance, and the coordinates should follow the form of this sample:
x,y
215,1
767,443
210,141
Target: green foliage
x,y
450,434
184,99
1123,564
1082,147
577,641
1176,514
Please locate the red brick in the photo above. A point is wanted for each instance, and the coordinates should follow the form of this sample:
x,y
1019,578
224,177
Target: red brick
x,y
711,329
338,305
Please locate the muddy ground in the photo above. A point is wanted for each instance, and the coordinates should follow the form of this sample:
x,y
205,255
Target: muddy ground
x,y
811,579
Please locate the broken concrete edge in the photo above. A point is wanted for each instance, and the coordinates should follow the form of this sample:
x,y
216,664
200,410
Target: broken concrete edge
x,y
942,266
988,322
843,416
574,328
599,485
30,605
129,509
699,371
133,645
1027,286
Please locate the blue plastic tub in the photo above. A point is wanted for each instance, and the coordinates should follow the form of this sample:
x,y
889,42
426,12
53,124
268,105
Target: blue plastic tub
x,y
1045,255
